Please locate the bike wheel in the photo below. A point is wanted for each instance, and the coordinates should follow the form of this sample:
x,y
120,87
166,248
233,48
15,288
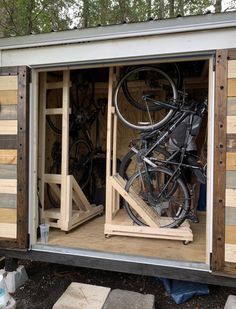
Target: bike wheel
x,y
53,197
147,89
81,161
171,69
168,196
129,164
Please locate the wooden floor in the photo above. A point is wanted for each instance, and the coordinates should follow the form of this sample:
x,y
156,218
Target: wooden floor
x,y
91,236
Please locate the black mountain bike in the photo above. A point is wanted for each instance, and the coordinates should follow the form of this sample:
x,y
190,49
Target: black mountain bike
x,y
159,178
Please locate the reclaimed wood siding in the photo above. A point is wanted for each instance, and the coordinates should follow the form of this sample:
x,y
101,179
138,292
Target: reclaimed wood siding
x,y
8,155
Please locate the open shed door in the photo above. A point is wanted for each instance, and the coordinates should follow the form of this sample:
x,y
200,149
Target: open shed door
x,y
224,208
14,157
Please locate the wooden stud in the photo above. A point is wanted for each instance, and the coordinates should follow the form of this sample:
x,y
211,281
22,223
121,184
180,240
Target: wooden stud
x,y
65,147
109,145
42,136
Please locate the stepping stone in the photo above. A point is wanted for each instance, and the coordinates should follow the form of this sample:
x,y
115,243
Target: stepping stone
x,y
231,302
123,299
83,296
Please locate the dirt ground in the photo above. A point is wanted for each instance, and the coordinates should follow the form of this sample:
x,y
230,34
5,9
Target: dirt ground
x,y
47,282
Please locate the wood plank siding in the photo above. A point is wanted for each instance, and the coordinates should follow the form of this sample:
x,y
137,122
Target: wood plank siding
x,y
8,157
13,157
230,190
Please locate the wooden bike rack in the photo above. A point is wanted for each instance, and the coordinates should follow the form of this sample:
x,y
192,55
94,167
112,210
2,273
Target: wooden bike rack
x,y
74,208
117,220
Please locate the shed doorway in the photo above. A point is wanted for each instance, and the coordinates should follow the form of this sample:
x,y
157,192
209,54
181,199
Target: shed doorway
x,y
73,116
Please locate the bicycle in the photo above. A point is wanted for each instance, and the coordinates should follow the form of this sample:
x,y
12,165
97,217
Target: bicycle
x,y
160,181
157,170
82,150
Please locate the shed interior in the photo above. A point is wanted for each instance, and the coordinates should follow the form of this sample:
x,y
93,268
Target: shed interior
x,y
72,158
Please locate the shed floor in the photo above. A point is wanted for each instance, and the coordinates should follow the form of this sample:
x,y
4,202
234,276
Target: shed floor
x,y
90,236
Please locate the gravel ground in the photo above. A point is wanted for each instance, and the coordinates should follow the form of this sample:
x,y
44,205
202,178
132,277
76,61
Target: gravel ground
x,y
47,282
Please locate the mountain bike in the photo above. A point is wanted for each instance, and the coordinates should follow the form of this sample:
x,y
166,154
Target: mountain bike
x,y
158,177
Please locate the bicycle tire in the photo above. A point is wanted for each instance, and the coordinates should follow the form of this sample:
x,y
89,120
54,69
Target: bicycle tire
x,y
130,155
53,199
163,205
177,78
80,164
146,107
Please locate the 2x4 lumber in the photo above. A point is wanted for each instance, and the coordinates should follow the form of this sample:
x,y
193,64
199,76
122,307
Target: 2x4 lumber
x,y
8,82
184,234
42,133
8,186
109,191
79,217
56,85
8,156
8,97
144,211
231,106
8,127
80,194
52,178
65,148
55,111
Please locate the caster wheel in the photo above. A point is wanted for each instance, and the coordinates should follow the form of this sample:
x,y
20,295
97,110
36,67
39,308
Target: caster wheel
x,y
186,242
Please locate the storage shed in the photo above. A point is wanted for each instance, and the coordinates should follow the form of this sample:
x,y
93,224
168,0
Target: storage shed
x,y
57,84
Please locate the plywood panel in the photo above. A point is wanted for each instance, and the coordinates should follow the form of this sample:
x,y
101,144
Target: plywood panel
x,y
8,186
8,156
232,69
230,197
231,106
8,97
7,215
8,230
231,124
232,87
8,200
8,127
8,171
231,179
231,161
8,112
8,82
230,216
91,236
